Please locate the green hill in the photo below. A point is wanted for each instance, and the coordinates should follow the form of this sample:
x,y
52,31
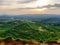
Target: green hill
x,y
29,31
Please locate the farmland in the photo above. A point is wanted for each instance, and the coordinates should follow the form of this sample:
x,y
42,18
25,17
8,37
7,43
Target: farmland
x,y
25,30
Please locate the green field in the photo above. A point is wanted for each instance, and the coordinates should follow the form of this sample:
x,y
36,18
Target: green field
x,y
29,31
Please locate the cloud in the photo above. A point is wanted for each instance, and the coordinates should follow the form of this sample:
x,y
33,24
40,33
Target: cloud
x,y
6,2
16,2
49,6
46,6
25,1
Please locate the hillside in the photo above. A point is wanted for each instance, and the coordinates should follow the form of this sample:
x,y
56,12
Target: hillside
x,y
29,31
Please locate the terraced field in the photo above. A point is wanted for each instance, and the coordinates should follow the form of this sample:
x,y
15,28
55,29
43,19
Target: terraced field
x,y
29,31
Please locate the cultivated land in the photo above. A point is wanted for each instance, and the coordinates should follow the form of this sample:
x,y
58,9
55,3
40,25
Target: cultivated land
x,y
33,31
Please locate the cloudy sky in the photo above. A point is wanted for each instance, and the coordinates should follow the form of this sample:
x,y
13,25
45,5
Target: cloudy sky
x,y
29,6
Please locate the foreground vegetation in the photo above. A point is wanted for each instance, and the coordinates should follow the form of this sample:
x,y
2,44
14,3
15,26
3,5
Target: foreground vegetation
x,y
24,30
10,41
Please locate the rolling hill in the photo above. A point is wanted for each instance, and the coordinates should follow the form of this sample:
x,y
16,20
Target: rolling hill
x,y
24,30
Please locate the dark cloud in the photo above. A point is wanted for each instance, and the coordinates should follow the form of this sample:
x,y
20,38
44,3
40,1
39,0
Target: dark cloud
x,y
47,6
2,2
25,1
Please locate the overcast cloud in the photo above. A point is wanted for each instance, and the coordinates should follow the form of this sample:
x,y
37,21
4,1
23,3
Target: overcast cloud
x,y
26,4
7,2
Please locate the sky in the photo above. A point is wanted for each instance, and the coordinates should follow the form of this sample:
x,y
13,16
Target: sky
x,y
29,6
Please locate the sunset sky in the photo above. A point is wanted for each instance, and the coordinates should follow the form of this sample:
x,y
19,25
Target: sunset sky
x,y
29,6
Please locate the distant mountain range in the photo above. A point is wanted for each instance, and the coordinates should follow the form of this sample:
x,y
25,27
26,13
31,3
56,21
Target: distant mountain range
x,y
44,18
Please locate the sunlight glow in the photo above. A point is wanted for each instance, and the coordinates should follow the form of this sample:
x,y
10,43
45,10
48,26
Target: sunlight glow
x,y
41,9
42,2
